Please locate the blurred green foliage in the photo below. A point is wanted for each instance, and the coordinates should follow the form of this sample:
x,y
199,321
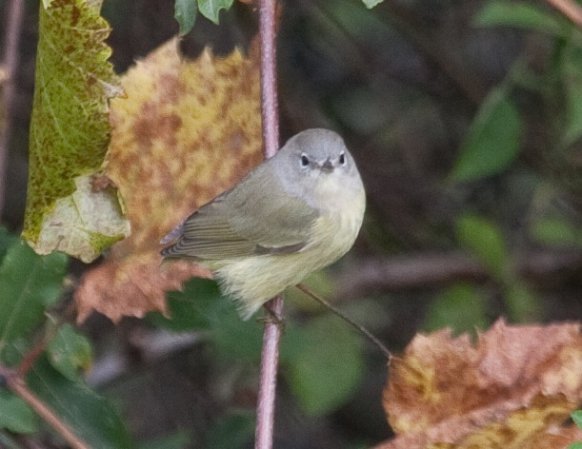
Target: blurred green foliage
x,y
176,441
234,431
492,143
69,352
31,285
462,307
15,414
485,240
577,418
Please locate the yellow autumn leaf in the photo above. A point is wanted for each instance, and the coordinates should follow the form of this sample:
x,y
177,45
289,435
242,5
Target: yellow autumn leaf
x,y
186,131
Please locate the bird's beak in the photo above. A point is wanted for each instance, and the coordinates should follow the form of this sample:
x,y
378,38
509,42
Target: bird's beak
x,y
327,166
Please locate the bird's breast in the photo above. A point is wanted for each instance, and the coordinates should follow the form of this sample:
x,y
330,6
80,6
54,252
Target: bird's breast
x,y
337,227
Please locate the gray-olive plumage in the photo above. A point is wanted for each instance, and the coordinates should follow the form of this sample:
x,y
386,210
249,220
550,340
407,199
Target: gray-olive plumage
x,y
294,214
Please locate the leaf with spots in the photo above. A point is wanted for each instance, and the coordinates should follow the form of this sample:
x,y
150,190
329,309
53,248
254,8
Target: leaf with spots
x,y
514,388
185,132
69,134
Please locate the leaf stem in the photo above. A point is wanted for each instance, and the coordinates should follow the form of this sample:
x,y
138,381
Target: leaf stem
x,y
361,329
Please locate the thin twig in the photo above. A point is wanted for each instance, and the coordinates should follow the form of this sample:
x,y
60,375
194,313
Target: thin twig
x,y
570,9
36,351
272,334
32,356
13,25
17,385
361,329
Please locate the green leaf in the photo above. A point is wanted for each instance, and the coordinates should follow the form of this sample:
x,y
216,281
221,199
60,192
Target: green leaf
x,y
371,3
195,307
556,231
235,431
492,143
485,240
178,440
88,415
522,304
235,338
185,12
29,284
522,15
460,307
69,352
16,415
211,8
577,445
201,306
69,134
577,418
324,364
6,240
572,78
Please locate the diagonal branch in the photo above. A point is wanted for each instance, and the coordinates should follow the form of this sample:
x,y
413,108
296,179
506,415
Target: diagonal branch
x,y
570,9
358,327
17,385
433,270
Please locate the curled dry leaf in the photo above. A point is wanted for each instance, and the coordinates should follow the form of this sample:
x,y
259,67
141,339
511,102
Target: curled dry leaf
x,y
515,388
185,132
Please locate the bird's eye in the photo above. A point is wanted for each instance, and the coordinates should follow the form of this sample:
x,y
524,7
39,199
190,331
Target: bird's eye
x,y
304,160
342,159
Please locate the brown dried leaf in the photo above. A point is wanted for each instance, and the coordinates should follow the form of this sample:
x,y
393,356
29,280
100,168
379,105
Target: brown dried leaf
x,y
133,286
186,132
513,389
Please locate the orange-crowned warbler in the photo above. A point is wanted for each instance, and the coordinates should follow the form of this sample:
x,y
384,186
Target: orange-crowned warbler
x,y
294,214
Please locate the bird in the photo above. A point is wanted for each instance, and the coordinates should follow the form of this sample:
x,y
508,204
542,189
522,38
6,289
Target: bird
x,y
295,213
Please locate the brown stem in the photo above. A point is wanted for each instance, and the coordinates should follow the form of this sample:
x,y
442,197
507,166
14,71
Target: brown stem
x,y
268,376
426,270
400,273
35,352
13,24
570,9
272,333
269,104
17,385
31,357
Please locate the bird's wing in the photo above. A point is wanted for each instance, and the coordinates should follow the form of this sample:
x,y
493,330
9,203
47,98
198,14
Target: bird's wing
x,y
256,217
